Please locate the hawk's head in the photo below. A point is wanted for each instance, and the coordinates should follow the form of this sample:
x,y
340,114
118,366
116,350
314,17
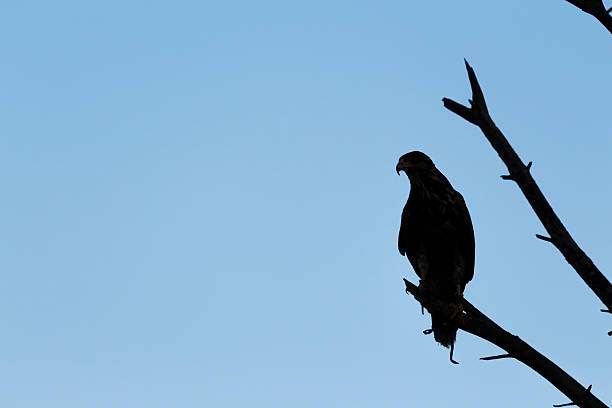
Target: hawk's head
x,y
414,163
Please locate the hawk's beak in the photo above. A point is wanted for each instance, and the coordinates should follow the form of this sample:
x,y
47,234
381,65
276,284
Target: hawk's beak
x,y
402,165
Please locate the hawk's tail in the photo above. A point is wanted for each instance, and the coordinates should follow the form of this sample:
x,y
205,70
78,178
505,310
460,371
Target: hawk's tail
x,y
444,330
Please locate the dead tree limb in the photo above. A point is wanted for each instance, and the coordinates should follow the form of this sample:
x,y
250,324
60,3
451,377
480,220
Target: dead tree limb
x,y
597,9
519,173
478,324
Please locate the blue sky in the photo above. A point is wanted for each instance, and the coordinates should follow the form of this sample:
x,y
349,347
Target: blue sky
x,y
200,207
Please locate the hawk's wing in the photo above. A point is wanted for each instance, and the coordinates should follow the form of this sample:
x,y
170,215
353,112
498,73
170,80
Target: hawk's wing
x,y
460,232
438,230
403,239
410,240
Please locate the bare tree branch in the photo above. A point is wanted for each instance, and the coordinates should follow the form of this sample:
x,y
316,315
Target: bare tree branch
x,y
478,114
478,324
597,9
569,404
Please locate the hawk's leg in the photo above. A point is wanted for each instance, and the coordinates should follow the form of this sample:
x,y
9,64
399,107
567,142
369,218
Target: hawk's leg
x,y
456,317
457,314
452,349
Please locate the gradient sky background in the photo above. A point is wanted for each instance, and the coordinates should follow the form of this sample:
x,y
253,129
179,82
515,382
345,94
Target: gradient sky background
x,y
200,207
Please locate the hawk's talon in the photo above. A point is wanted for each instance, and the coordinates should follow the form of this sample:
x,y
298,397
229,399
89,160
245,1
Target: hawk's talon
x,y
422,286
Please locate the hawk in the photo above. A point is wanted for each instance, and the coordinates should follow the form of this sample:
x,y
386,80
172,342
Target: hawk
x,y
437,237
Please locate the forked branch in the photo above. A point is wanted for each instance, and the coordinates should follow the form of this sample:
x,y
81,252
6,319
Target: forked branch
x,y
597,9
478,114
478,324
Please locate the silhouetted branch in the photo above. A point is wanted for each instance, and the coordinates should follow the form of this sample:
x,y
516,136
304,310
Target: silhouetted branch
x,y
478,324
478,114
497,357
597,9
569,404
543,238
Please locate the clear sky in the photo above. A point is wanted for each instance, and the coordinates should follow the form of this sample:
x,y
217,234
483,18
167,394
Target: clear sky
x,y
200,209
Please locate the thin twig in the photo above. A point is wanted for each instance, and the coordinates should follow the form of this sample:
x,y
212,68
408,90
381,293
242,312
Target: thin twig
x,y
497,357
568,404
478,324
543,238
478,114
